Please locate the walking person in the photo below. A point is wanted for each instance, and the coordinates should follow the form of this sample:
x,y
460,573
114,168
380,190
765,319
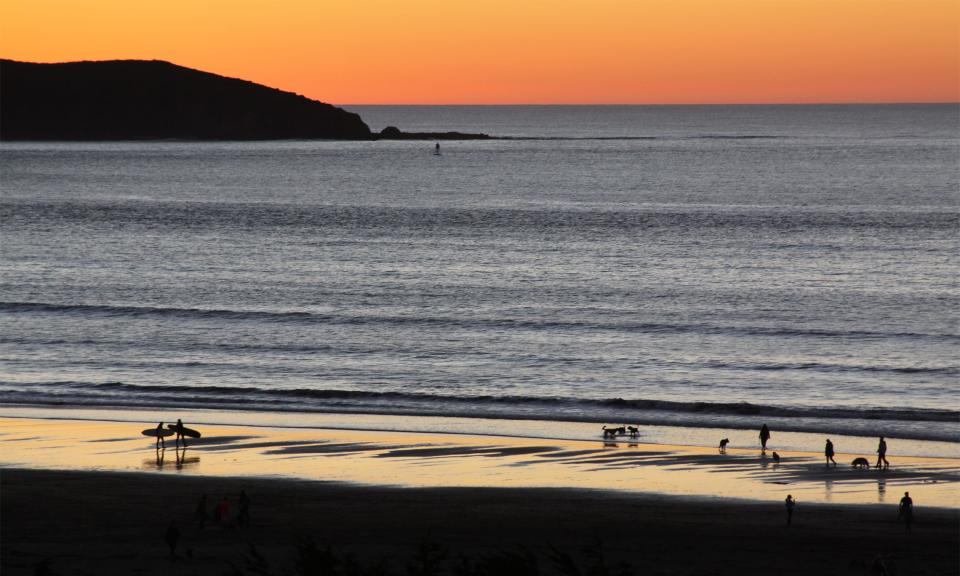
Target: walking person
x,y
172,536
828,454
160,441
764,436
243,518
882,454
906,511
180,437
790,503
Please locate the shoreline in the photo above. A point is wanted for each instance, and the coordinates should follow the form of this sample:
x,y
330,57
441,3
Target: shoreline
x,y
704,434
458,460
79,522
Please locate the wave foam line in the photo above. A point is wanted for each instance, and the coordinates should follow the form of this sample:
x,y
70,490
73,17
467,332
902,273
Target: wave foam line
x,y
212,396
502,323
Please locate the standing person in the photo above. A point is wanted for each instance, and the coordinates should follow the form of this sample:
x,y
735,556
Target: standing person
x,y
790,503
179,436
828,453
160,441
882,454
243,519
172,537
764,436
906,511
222,512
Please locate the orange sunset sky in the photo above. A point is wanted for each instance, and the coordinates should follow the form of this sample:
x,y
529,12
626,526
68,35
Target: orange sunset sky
x,y
519,51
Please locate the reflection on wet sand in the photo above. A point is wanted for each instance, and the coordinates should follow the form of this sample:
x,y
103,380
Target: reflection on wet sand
x,y
417,459
180,459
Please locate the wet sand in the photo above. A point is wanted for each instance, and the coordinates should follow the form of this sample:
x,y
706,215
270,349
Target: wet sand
x,y
425,460
89,497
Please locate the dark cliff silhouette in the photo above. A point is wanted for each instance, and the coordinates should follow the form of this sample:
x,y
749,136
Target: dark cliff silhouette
x,y
151,99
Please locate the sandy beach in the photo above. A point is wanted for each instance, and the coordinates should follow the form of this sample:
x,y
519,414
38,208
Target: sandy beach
x,y
437,460
95,497
114,523
478,288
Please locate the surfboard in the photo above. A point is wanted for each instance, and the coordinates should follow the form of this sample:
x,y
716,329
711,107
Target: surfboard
x,y
153,432
186,431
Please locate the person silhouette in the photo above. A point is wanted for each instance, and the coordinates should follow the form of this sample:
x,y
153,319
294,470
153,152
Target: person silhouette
x,y
160,441
882,454
180,436
789,503
828,453
222,512
880,566
243,517
764,436
436,149
172,536
906,511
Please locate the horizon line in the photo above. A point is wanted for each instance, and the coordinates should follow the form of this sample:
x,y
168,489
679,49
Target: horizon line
x,y
664,104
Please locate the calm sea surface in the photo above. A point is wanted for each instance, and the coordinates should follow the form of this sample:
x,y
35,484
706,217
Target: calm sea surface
x,y
692,265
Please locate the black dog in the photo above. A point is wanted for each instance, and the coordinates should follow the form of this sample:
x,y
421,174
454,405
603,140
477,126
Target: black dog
x,y
613,432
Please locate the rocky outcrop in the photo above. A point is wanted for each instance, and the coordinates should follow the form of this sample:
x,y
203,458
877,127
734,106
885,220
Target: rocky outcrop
x,y
394,133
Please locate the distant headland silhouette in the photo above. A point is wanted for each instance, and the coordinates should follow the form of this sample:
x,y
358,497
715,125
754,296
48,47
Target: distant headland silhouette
x,y
153,99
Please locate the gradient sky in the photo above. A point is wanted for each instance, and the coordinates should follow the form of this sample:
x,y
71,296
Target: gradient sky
x,y
522,51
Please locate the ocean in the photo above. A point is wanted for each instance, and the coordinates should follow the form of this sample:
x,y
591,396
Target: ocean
x,y
714,266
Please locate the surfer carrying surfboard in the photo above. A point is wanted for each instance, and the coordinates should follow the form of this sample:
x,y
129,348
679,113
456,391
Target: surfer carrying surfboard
x,y
182,432
159,433
180,437
160,442
177,429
